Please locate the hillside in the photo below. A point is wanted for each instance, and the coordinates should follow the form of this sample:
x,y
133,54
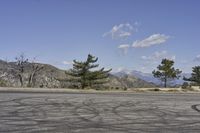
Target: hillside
x,y
52,77
129,81
148,77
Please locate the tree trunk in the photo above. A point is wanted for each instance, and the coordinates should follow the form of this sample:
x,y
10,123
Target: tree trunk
x,y
30,81
21,80
82,85
165,83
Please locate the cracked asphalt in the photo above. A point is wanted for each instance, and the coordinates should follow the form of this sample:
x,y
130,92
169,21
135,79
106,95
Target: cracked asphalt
x,y
99,113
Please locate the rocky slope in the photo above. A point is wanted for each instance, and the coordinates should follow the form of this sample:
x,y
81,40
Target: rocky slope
x,y
52,77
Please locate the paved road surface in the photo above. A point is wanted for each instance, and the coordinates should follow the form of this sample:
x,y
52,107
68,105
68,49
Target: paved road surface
x,y
99,113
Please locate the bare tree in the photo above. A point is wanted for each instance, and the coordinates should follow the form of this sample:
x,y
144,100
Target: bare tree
x,y
21,62
35,69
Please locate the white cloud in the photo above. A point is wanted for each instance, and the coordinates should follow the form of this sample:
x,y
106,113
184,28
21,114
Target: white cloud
x,y
197,58
121,31
154,39
125,34
67,62
124,48
151,61
157,56
121,69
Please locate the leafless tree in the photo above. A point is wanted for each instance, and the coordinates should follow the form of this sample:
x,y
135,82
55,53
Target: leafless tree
x,y
21,62
35,69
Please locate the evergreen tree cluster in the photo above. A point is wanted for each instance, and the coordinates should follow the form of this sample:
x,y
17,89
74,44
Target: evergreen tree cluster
x,y
84,74
166,71
195,76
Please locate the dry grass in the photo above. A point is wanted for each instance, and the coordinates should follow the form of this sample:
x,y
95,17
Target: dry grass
x,y
164,90
130,90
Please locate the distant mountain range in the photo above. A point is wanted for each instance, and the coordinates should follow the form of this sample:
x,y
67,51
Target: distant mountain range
x,y
148,77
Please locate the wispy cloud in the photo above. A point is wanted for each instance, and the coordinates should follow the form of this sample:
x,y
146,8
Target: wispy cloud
x,y
124,48
154,39
197,58
67,62
121,69
151,61
157,56
122,31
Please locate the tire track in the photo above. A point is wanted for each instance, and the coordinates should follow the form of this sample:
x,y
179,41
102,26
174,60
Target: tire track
x,y
195,107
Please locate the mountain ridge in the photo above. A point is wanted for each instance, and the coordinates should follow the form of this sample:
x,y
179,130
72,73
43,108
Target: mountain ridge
x,y
148,77
53,77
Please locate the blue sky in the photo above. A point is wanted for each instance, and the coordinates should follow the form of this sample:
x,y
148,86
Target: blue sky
x,y
124,34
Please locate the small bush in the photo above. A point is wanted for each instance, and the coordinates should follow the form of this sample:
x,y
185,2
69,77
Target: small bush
x,y
156,89
125,88
111,88
41,86
29,86
185,85
172,90
117,88
2,83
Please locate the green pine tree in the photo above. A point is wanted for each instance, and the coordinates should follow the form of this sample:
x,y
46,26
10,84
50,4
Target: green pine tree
x,y
166,71
83,74
195,76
